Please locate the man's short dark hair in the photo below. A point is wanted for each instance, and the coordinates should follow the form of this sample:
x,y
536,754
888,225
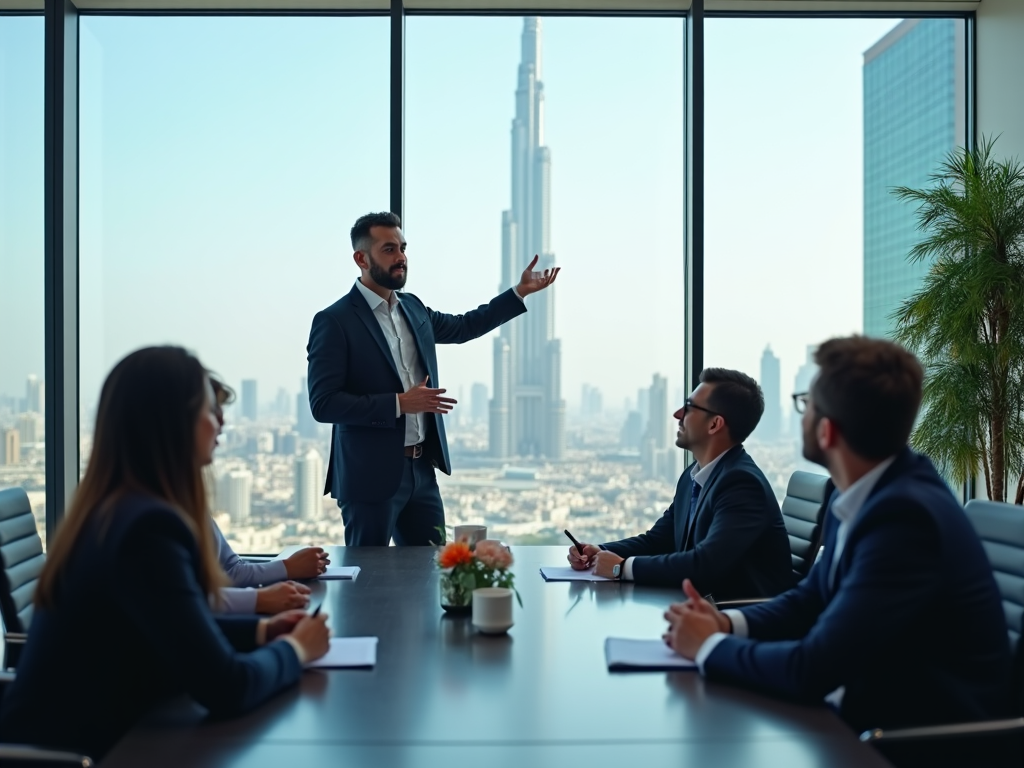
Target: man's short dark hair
x,y
361,240
871,389
737,397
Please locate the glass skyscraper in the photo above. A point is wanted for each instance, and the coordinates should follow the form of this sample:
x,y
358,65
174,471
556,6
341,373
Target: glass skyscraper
x,y
913,116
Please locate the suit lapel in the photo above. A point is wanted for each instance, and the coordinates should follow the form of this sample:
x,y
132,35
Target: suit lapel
x,y
363,311
683,508
415,320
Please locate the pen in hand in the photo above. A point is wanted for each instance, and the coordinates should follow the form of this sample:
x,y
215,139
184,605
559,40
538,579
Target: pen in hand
x,y
579,547
317,611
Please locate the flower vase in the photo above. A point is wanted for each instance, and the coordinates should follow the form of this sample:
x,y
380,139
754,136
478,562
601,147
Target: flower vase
x,y
455,598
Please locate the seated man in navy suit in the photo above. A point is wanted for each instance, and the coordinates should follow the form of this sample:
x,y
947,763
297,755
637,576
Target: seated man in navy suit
x,y
373,376
899,623
724,530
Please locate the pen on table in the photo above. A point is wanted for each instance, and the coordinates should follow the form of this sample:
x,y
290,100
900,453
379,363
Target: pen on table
x,y
579,547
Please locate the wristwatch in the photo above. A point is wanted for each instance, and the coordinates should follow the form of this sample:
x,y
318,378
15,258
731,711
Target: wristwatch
x,y
618,570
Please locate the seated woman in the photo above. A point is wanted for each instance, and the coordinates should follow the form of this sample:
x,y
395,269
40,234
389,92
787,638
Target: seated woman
x,y
307,563
122,618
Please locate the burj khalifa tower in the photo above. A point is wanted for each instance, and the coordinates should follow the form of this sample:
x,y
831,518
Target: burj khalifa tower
x,y
527,413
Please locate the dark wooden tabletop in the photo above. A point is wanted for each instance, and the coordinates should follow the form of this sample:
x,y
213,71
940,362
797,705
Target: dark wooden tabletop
x,y
442,694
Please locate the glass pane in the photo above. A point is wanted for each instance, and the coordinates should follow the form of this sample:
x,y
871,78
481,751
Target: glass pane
x,y
222,162
810,123
560,137
22,389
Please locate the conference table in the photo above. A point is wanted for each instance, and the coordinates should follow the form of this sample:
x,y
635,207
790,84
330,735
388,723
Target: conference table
x,y
442,694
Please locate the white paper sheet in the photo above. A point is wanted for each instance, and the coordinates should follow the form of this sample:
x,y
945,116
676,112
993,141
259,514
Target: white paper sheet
x,y
624,655
335,572
568,574
348,652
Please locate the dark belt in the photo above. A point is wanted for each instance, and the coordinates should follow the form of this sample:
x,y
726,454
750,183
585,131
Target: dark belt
x,y
414,451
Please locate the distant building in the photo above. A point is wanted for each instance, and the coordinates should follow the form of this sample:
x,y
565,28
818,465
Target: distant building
x,y
527,409
11,446
769,429
35,397
309,485
30,427
643,405
305,424
478,403
283,402
913,116
237,495
658,421
286,442
250,404
591,402
632,433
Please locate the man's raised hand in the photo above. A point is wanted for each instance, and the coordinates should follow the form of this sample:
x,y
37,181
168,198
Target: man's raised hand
x,y
531,281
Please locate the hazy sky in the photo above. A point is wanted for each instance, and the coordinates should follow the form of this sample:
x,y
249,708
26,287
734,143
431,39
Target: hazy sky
x,y
224,160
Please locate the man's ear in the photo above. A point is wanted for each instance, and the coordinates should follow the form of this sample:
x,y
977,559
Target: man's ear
x,y
827,434
360,259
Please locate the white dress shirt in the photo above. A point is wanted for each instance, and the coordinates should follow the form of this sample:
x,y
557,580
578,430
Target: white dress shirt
x,y
700,476
403,351
846,508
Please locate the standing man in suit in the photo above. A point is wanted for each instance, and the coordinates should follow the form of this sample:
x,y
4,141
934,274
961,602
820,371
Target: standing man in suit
x,y
373,375
724,530
899,623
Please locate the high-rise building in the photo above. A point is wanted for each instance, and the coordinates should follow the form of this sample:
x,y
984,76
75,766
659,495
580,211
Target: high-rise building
x,y
35,397
11,446
30,427
632,433
769,429
591,401
309,485
913,116
528,415
250,404
658,422
305,424
478,403
236,487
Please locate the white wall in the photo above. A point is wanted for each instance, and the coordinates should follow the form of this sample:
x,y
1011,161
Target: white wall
x,y
1000,68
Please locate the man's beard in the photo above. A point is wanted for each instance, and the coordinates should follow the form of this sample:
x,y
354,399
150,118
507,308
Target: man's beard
x,y
811,450
385,279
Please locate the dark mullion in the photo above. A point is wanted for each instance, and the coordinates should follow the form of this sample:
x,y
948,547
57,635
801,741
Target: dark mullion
x,y
61,256
397,106
693,198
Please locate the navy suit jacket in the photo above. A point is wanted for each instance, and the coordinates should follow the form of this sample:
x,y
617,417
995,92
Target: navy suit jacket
x,y
913,625
129,628
353,382
737,544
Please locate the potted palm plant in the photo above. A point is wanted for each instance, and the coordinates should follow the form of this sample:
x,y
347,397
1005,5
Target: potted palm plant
x,y
966,322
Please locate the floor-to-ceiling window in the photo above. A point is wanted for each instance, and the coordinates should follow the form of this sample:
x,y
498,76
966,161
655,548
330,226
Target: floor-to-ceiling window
x,y
22,380
561,138
223,160
810,123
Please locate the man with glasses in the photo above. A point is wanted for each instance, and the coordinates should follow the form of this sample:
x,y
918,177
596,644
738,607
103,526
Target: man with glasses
x,y
724,530
899,623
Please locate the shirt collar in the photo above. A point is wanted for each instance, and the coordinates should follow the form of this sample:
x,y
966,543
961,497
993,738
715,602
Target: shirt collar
x,y
849,503
700,475
373,299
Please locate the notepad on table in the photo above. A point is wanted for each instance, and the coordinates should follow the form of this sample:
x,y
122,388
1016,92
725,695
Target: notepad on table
x,y
624,655
334,572
348,652
568,574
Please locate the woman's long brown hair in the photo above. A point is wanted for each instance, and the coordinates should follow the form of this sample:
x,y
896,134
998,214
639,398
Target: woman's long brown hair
x,y
144,442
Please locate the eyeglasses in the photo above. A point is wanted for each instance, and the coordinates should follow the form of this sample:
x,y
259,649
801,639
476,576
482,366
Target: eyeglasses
x,y
688,404
800,400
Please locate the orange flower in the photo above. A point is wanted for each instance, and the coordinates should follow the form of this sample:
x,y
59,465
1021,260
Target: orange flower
x,y
456,553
